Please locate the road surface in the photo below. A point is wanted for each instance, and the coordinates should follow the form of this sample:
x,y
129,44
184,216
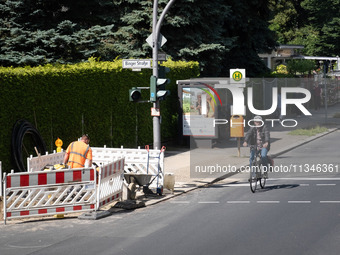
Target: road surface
x,y
298,212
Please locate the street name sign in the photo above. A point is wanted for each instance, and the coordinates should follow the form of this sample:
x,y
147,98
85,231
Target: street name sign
x,y
136,63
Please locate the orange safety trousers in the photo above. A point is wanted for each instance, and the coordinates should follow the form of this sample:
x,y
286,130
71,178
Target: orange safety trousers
x,y
78,152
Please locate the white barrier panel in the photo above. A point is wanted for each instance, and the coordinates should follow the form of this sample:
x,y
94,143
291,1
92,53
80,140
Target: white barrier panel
x,y
136,160
38,163
110,183
49,192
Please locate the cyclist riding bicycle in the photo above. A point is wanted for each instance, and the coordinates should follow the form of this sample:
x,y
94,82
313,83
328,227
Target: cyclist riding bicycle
x,y
258,136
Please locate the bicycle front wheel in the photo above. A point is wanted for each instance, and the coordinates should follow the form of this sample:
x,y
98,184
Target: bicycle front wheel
x,y
264,177
253,178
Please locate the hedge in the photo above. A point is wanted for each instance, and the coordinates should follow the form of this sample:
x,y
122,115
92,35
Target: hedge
x,y
91,97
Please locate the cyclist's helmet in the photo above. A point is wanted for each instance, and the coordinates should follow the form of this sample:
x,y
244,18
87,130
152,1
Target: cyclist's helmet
x,y
257,118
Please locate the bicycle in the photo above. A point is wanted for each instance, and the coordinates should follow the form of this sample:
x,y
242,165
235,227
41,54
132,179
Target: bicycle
x,y
258,173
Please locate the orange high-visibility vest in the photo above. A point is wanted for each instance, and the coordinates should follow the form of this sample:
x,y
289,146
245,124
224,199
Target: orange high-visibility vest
x,y
78,153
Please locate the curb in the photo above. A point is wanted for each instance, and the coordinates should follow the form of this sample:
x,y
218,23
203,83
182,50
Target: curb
x,y
308,140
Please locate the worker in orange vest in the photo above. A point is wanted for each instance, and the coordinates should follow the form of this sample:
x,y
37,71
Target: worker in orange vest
x,y
77,153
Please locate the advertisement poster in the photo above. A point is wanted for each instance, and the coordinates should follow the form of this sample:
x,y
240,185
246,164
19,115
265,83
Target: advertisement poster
x,y
198,112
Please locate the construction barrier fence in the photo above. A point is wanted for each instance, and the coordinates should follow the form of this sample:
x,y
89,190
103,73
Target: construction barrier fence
x,y
110,182
38,192
136,161
49,192
139,160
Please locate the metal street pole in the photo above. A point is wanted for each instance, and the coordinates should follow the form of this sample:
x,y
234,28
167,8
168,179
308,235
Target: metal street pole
x,y
156,27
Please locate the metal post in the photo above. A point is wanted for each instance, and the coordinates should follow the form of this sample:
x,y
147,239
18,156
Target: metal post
x,y
4,196
263,94
326,103
155,119
325,66
156,27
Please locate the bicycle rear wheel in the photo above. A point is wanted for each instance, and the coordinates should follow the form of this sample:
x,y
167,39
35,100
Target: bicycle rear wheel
x,y
253,178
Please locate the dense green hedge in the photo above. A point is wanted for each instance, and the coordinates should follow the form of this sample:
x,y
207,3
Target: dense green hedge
x,y
91,97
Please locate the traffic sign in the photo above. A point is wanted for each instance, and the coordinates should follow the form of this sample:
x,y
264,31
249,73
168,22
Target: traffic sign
x,y
161,56
238,76
136,63
161,40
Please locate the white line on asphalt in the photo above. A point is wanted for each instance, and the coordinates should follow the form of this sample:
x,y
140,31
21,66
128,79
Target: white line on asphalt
x,y
236,185
238,202
306,179
209,202
299,202
268,202
180,202
325,184
259,202
304,184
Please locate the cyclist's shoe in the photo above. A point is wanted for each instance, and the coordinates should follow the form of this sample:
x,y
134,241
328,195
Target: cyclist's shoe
x,y
271,162
265,174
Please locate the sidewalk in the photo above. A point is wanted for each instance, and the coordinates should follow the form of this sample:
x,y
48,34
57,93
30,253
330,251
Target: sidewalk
x,y
178,162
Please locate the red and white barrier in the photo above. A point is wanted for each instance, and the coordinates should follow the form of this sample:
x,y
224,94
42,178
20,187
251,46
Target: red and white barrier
x,y
38,192
136,160
49,192
110,182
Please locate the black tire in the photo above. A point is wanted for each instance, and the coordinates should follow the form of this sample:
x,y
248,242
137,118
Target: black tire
x,y
264,177
253,177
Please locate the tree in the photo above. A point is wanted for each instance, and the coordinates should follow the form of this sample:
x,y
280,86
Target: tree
x,y
37,32
301,66
324,17
219,34
196,31
314,24
287,18
248,23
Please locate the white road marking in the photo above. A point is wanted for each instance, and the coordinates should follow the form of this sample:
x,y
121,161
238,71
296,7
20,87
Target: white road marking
x,y
306,179
299,202
238,202
236,185
325,184
268,202
209,202
258,202
180,202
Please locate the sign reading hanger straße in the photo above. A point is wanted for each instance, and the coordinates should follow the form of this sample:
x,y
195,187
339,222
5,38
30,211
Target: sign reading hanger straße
x,y
136,63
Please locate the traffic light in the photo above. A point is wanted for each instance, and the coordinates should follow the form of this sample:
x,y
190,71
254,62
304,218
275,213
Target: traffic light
x,y
157,88
162,71
134,94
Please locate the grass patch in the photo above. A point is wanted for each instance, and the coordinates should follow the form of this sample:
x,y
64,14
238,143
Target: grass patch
x,y
309,131
336,115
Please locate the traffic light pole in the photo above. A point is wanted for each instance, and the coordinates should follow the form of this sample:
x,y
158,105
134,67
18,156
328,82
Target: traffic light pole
x,y
156,27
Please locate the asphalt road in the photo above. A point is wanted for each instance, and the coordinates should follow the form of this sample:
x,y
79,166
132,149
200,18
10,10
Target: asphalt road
x,y
298,212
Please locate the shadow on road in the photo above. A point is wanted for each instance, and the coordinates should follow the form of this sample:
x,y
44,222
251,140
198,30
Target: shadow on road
x,y
281,186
